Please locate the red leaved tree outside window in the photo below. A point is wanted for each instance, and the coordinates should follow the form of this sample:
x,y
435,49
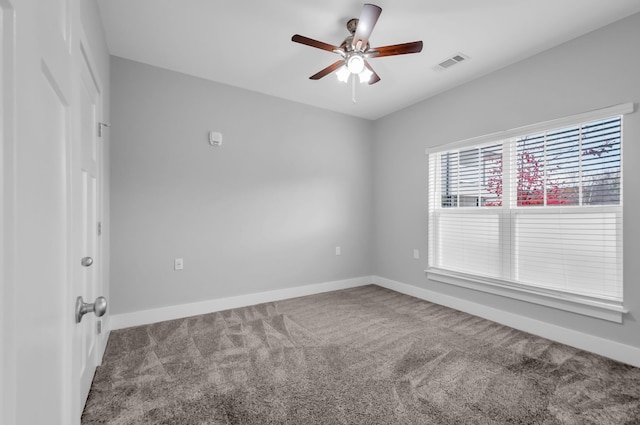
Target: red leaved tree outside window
x,y
531,180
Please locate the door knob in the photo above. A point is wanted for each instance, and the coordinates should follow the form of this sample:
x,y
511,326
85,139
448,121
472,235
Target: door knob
x,y
99,307
86,261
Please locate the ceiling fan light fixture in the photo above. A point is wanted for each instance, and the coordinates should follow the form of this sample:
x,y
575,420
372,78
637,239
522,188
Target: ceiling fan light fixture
x,y
365,75
355,64
343,74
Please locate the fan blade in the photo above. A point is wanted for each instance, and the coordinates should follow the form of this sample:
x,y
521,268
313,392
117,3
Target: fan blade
x,y
368,18
313,43
374,77
328,70
396,49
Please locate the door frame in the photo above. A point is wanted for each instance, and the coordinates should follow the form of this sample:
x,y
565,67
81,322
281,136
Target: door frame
x,y
87,56
81,57
7,204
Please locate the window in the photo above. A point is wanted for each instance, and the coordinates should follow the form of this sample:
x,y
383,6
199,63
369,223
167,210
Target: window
x,y
536,214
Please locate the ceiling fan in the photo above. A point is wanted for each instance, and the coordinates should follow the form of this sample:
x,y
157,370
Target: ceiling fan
x,y
355,49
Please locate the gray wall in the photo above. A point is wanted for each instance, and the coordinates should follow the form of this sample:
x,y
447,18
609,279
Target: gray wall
x,y
264,211
594,71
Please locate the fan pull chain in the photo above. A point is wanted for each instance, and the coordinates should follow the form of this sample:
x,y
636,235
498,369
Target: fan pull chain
x,y
353,88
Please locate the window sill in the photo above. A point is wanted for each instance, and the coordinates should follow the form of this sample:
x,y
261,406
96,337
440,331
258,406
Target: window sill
x,y
601,309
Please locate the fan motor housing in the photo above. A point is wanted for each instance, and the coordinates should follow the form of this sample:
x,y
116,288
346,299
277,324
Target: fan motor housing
x,y
352,24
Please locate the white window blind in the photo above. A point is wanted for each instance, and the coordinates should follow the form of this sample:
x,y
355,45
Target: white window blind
x,y
540,211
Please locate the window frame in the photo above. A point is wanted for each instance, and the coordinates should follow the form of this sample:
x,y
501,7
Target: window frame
x,y
611,310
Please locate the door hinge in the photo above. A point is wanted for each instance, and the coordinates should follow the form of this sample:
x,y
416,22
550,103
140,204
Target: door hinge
x,y
101,125
99,228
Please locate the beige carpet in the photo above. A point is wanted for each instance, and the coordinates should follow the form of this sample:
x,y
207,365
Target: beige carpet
x,y
360,356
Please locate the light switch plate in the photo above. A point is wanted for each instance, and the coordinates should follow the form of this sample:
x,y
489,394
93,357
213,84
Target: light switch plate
x,y
215,138
178,264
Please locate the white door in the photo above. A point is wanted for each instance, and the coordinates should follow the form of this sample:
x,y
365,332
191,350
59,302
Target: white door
x,y
53,204
87,347
41,320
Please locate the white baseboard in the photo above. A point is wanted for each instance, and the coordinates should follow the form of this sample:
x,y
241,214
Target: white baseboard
x,y
145,317
604,347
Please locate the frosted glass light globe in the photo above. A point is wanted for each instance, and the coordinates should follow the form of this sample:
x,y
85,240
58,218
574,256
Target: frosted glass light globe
x,y
355,64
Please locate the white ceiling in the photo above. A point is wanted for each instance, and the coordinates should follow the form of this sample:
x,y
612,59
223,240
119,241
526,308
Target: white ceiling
x,y
247,43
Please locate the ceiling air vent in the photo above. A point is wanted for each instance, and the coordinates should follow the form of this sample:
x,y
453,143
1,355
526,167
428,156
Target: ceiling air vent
x,y
453,60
